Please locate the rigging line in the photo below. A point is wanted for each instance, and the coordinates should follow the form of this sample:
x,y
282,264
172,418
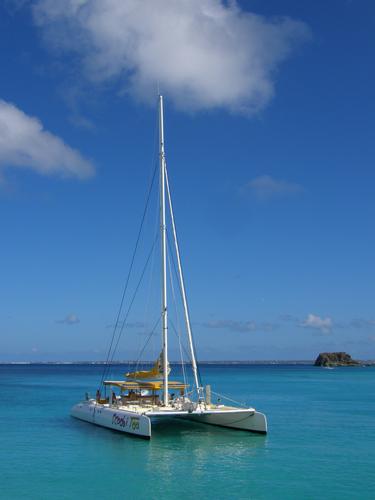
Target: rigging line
x,y
197,375
170,253
146,343
152,270
130,270
179,285
147,305
187,353
146,325
153,159
229,399
133,298
183,291
106,370
134,295
176,312
177,317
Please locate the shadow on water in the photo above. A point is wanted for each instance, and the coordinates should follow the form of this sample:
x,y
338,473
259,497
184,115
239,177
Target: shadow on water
x,y
179,427
199,451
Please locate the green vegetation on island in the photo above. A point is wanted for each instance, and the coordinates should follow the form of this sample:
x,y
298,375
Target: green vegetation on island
x,y
335,359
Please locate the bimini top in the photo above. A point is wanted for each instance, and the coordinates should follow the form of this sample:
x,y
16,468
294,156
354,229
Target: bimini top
x,y
154,385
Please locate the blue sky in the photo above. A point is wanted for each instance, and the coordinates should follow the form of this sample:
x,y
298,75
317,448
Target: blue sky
x,y
270,147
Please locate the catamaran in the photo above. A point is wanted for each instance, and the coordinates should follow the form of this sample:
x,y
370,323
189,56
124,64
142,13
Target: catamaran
x,y
133,404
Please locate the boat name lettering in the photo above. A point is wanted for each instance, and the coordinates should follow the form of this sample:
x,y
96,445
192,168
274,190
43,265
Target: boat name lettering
x,y
134,423
121,421
124,421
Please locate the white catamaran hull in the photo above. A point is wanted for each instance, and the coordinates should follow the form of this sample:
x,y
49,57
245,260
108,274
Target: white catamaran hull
x,y
113,418
124,420
246,420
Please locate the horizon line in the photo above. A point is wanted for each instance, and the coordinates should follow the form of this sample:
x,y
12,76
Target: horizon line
x,y
204,362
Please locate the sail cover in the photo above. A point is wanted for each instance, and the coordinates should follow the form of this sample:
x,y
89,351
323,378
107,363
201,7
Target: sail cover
x,y
156,371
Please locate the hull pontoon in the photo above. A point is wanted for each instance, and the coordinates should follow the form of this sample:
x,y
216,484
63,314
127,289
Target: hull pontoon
x,y
138,420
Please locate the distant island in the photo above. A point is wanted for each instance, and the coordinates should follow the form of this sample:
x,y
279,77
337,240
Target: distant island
x,y
335,359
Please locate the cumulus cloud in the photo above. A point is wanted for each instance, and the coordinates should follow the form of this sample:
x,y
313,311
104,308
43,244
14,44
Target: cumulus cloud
x,y
265,187
70,319
327,324
317,323
202,53
239,326
25,143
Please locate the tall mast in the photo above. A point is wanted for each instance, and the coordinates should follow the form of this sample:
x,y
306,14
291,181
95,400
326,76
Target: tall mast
x,y
164,311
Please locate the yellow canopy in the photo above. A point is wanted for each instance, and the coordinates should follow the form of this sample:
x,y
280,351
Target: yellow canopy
x,y
151,385
156,371
153,373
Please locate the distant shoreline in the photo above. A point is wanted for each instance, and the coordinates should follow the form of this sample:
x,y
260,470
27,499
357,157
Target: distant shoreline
x,y
217,362
127,362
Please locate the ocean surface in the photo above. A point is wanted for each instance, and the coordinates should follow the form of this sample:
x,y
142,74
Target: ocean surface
x,y
321,441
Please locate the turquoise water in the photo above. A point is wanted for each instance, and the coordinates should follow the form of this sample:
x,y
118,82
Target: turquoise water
x,y
321,441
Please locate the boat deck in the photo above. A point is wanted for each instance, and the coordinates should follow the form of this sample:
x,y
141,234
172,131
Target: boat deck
x,y
173,409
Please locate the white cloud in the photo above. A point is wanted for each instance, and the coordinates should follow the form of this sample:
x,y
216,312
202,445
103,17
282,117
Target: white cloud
x,y
265,187
316,322
202,53
24,143
70,319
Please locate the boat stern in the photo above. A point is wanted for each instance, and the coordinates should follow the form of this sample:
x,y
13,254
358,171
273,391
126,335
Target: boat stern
x,y
113,418
242,419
